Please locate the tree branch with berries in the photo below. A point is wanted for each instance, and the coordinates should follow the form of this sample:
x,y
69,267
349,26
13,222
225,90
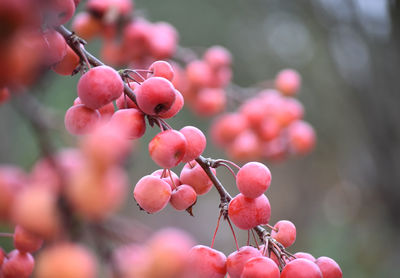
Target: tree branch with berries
x,y
75,191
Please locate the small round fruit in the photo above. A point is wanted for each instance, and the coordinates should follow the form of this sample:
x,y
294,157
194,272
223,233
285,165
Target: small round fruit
x,y
152,193
66,260
260,267
253,179
168,148
25,241
285,232
288,82
205,262
183,197
80,119
195,176
161,69
18,265
99,86
237,260
329,268
301,268
246,213
130,121
155,95
196,142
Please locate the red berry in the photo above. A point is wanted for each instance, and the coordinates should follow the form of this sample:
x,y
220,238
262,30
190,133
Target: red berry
x,y
99,86
217,57
161,69
196,142
156,95
329,268
237,260
18,265
168,148
246,213
105,111
86,26
210,101
260,267
205,262
175,108
285,232
130,122
304,255
55,46
301,268
152,193
25,241
194,175
253,179
66,260
301,137
199,73
227,127
80,119
68,64
288,82
163,40
59,11
183,197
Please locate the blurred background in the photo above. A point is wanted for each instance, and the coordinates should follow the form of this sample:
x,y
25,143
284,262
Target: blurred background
x,y
344,198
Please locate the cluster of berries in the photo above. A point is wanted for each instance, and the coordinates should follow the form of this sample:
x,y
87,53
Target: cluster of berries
x,y
268,125
127,41
203,81
29,44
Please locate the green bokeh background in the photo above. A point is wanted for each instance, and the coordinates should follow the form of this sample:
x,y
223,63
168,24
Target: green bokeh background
x,y
344,197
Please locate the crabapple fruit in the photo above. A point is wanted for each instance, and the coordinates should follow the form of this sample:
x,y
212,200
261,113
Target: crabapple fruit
x,y
152,193
253,179
246,213
168,148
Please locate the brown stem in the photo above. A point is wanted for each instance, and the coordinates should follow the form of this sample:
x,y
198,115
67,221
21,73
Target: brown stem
x,y
75,43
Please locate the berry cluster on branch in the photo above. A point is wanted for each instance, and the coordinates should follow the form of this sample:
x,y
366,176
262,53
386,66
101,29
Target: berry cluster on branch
x,y
72,190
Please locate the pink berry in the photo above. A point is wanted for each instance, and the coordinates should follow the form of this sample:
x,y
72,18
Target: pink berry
x,y
199,73
163,40
227,127
25,241
175,108
168,148
253,179
260,267
18,265
196,142
304,255
55,46
161,69
237,260
80,119
152,194
301,268
183,197
301,137
246,213
193,175
130,121
329,268
59,11
218,56
288,82
210,101
285,232
99,86
105,111
155,95
205,262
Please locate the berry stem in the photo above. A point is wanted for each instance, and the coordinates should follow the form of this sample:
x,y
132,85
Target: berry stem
x,y
216,229
6,234
233,233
